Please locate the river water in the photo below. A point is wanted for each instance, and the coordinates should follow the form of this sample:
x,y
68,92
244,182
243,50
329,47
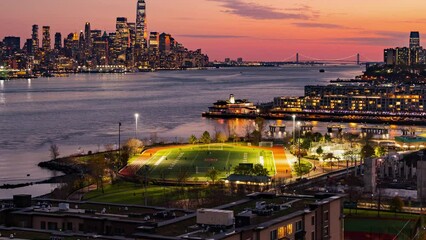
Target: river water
x,y
81,112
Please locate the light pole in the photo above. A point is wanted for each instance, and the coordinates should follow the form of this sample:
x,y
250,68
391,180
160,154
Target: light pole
x,y
136,124
294,129
119,141
298,151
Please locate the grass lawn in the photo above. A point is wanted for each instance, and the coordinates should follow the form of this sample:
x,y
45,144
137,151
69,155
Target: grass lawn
x,y
366,221
126,192
305,167
196,160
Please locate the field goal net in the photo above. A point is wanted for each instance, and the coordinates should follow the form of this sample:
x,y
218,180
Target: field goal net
x,y
266,144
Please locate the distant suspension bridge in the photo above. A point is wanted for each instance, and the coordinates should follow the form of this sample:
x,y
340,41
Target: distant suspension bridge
x,y
299,58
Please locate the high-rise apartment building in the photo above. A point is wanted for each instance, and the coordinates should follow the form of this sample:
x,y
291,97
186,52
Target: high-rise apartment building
x,y
46,43
141,26
58,41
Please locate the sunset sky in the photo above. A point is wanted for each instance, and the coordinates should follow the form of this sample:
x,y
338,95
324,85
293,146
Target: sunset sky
x,y
252,29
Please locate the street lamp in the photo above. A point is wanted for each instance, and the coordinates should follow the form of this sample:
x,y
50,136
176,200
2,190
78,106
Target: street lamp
x,y
119,140
294,129
298,151
136,124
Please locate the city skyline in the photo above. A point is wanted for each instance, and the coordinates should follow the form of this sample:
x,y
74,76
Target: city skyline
x,y
270,30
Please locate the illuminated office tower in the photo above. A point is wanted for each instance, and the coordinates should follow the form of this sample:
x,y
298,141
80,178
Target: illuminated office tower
x,y
165,43
402,56
132,31
88,35
46,38
34,37
58,41
94,34
141,26
414,40
154,41
122,40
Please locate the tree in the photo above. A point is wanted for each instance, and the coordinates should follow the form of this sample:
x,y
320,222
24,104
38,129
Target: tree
x,y
327,137
396,204
260,128
320,151
242,170
212,174
259,170
134,145
125,156
367,151
54,151
379,151
317,136
221,137
192,139
306,144
97,166
206,138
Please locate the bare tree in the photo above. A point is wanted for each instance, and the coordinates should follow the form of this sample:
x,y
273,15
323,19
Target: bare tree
x,y
54,151
134,145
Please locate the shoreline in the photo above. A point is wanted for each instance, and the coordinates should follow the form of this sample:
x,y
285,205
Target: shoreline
x,y
322,117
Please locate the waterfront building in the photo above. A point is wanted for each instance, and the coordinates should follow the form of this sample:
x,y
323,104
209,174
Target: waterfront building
x,y
46,43
58,41
121,40
100,51
385,99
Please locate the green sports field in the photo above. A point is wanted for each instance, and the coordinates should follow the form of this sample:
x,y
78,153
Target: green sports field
x,y
195,160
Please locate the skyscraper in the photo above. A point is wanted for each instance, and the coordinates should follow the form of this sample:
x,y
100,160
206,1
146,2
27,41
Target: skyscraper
x,y
35,39
122,39
154,41
414,40
46,38
58,41
165,42
141,26
87,35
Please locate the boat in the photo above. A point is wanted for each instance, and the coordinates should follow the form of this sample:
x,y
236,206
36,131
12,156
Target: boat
x,y
321,70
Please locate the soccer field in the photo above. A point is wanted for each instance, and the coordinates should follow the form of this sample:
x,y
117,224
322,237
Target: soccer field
x,y
195,160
